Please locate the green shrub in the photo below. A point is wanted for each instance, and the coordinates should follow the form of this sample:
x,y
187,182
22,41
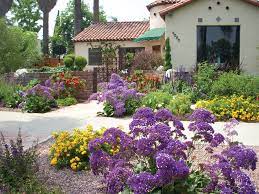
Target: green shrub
x,y
18,168
168,63
9,94
157,100
66,101
72,56
38,104
69,62
131,106
80,63
204,79
180,105
229,84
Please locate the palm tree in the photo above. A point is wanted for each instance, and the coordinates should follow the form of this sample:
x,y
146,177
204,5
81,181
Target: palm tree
x,y
5,6
96,11
78,16
46,6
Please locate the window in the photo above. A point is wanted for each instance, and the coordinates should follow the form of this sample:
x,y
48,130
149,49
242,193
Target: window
x,y
95,56
218,44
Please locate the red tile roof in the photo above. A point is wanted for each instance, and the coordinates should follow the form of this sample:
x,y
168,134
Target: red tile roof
x,y
161,2
181,3
112,31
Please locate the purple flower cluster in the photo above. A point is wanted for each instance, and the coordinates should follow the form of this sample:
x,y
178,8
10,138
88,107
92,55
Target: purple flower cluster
x,y
153,155
116,93
40,90
226,173
203,130
57,87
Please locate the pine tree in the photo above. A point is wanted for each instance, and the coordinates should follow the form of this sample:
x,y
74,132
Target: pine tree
x,y
168,64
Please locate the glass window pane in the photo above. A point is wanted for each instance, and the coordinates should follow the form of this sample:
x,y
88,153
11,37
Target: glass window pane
x,y
218,44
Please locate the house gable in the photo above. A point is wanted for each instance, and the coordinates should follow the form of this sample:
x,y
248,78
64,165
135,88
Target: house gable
x,y
182,3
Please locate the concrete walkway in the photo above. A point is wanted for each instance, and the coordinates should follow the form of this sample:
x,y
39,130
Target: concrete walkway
x,y
40,126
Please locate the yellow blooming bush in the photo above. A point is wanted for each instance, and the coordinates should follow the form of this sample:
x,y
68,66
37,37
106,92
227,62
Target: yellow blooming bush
x,y
238,107
71,149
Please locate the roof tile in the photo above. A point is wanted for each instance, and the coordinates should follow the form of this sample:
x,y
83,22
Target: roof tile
x,y
112,31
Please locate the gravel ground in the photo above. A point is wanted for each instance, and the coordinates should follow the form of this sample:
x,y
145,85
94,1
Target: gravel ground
x,y
66,180
85,182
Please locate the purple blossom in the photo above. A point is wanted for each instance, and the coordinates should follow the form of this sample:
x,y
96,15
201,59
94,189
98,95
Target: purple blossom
x,y
116,179
217,140
164,115
116,93
142,183
202,115
99,162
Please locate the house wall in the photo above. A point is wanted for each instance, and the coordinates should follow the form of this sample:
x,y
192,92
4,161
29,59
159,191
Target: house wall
x,y
82,48
183,23
156,21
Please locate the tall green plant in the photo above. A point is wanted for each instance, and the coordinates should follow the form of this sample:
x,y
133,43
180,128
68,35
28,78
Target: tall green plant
x,y
26,14
168,64
17,48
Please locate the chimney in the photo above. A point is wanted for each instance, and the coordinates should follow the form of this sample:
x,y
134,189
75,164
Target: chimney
x,y
96,11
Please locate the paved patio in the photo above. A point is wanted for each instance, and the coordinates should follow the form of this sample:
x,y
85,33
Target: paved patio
x,y
40,126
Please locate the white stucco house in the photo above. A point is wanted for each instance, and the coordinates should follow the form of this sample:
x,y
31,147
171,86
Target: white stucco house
x,y
217,31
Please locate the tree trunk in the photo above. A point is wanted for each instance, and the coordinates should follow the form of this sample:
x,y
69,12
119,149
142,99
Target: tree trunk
x,y
78,17
96,11
46,33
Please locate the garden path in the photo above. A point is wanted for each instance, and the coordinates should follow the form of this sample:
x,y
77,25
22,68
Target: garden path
x,y
40,126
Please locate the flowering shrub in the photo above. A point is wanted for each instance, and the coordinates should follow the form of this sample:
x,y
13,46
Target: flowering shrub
x,y
70,149
38,99
240,108
145,83
119,97
72,84
156,157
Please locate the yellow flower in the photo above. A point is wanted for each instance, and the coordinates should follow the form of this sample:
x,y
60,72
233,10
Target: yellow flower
x,y
54,161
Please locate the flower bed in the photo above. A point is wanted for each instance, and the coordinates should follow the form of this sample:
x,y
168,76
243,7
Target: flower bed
x,y
145,83
120,97
156,157
40,98
224,108
70,149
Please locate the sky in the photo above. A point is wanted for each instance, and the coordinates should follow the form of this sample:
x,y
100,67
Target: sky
x,y
124,10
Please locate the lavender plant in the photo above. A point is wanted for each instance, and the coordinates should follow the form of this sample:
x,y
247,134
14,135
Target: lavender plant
x,y
157,157
120,97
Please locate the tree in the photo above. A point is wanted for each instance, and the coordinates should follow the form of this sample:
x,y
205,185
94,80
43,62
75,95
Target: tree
x,y
26,15
78,17
96,11
17,48
5,6
65,28
46,6
168,64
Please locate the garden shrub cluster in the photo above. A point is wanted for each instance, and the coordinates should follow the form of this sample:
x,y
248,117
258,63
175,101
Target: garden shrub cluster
x,y
179,104
18,168
60,89
75,63
71,149
120,97
145,83
238,107
229,84
146,61
156,157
